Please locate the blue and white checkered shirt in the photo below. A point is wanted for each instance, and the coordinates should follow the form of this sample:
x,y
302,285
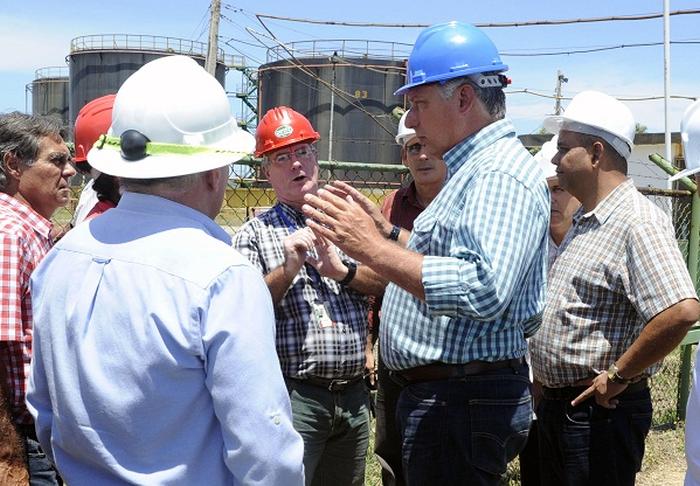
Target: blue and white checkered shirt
x,y
484,238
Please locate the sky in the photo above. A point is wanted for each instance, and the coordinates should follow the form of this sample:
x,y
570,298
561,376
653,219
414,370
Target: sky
x,y
37,33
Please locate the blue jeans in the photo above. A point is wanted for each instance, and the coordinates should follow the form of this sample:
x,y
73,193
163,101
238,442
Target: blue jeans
x,y
42,472
589,444
464,431
335,430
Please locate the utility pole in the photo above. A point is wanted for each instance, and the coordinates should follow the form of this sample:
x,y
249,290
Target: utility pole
x,y
557,92
210,63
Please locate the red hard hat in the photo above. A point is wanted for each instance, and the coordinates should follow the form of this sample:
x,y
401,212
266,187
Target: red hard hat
x,y
281,127
94,119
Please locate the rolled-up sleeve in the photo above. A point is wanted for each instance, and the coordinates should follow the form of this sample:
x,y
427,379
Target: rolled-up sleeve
x,y
498,235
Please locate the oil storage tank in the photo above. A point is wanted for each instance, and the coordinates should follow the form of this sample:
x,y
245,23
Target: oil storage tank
x,y
345,88
99,64
50,92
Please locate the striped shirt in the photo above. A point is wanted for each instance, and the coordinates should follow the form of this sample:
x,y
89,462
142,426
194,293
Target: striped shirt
x,y
618,267
24,240
304,347
484,238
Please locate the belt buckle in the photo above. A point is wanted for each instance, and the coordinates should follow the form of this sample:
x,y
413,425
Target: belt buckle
x,y
336,385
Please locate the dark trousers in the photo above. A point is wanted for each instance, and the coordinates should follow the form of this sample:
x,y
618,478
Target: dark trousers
x,y
592,445
530,459
464,431
387,440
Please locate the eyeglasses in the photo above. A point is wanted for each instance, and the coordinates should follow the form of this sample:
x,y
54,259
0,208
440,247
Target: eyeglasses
x,y
414,148
302,152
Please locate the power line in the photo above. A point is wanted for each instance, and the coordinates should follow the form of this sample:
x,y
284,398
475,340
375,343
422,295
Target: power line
x,y
484,25
628,98
592,49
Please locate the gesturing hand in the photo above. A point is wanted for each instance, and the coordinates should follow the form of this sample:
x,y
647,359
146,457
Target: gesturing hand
x,y
328,262
342,221
296,246
603,391
342,190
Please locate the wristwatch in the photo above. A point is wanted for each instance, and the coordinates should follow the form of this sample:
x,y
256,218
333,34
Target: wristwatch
x,y
352,270
395,232
614,376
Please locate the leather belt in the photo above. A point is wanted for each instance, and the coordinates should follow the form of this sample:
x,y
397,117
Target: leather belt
x,y
444,371
330,384
571,392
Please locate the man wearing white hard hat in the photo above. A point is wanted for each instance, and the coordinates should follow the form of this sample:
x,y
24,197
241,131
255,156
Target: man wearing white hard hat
x,y
155,362
690,135
401,208
619,300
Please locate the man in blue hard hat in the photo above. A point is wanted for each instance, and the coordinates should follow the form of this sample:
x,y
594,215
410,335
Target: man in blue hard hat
x,y
469,286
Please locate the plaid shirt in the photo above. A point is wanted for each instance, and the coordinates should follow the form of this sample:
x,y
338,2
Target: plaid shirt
x,y
618,267
305,348
484,238
25,241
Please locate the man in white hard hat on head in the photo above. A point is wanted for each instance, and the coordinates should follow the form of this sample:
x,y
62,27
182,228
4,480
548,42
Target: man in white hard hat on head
x,y
619,300
155,361
469,286
690,135
401,208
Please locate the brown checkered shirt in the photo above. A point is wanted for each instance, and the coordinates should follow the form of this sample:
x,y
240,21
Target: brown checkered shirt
x,y
618,267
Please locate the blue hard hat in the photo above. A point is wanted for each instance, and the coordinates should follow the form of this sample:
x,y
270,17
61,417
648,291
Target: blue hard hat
x,y
450,50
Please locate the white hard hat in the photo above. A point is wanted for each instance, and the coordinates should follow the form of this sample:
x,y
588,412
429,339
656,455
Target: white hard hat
x,y
404,134
170,118
545,155
595,113
690,134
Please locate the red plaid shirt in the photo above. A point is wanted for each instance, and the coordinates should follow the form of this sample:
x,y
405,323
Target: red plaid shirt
x,y
24,240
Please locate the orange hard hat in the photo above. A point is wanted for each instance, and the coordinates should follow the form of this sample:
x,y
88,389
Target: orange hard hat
x,y
280,127
94,119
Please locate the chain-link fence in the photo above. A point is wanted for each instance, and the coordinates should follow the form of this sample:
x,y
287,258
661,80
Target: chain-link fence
x,y
249,193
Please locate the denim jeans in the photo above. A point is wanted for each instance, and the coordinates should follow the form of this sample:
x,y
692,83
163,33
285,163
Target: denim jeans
x,y
589,444
387,438
335,430
42,472
464,431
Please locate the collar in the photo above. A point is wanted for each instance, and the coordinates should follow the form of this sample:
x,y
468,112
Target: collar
x,y
410,196
25,212
150,204
607,206
293,214
463,152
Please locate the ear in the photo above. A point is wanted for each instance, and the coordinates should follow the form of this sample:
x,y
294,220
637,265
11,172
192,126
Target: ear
x,y
597,150
12,165
212,178
466,96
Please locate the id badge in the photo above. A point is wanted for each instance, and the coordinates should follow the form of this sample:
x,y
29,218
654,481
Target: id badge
x,y
320,315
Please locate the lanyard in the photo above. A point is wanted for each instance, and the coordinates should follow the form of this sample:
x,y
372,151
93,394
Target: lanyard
x,y
311,271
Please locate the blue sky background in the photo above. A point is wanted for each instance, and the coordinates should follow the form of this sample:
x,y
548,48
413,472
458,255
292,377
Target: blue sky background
x,y
37,33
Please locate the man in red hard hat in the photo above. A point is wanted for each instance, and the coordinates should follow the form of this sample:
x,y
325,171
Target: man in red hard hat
x,y
93,120
320,308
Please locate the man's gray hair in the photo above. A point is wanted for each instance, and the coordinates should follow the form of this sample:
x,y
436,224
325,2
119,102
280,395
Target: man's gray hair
x,y
21,134
161,185
493,98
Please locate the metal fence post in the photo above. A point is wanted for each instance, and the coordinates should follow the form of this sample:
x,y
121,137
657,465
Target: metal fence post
x,y
686,349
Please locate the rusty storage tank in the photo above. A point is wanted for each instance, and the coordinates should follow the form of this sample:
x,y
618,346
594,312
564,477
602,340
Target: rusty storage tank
x,y
99,64
50,92
345,88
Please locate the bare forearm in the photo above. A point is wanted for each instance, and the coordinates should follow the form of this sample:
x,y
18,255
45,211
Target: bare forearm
x,y
658,338
398,265
367,281
278,281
